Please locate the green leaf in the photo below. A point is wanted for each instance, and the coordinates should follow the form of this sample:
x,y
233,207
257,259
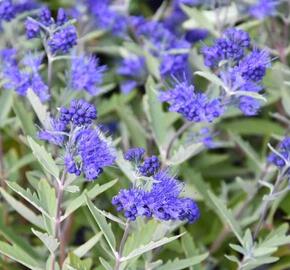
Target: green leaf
x,y
104,226
25,117
248,150
152,64
92,194
23,210
17,254
29,197
50,242
76,263
104,263
226,216
44,158
212,78
155,115
6,101
23,161
185,263
39,108
249,94
152,245
82,250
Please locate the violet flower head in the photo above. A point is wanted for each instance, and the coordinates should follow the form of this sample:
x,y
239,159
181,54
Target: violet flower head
x,y
281,158
86,74
196,35
63,40
150,166
173,65
134,154
79,113
133,70
264,8
162,201
7,11
195,107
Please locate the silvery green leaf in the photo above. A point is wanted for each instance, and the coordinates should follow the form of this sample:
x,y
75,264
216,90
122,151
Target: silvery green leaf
x,y
248,242
104,226
212,78
82,250
106,265
48,240
23,210
6,101
44,158
226,216
17,254
248,150
152,245
232,258
111,217
184,153
39,108
23,161
183,263
29,196
155,115
76,263
152,64
126,167
249,94
253,264
238,248
72,189
91,193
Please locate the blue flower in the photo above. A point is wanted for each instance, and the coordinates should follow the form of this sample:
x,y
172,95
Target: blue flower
x,y
63,40
79,113
32,29
282,157
7,11
134,72
86,74
193,106
45,16
264,8
162,201
196,35
61,17
150,166
134,154
173,64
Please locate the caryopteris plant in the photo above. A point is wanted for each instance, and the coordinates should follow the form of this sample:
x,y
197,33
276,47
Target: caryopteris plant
x,y
144,135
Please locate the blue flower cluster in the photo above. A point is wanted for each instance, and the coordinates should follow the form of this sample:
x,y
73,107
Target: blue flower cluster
x,y
264,8
23,75
134,72
240,69
162,201
134,154
195,107
281,158
60,34
87,151
86,74
9,9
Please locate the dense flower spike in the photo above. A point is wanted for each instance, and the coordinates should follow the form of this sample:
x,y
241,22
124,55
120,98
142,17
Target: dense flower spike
x,y
86,74
6,10
134,154
19,78
161,202
60,36
150,166
63,40
281,158
193,106
79,113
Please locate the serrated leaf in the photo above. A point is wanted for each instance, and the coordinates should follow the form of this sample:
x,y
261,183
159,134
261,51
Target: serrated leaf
x,y
184,263
28,196
92,193
48,240
44,158
87,246
152,245
19,255
104,226
226,216
23,210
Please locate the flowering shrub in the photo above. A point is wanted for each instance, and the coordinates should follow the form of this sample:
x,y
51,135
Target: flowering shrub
x,y
144,135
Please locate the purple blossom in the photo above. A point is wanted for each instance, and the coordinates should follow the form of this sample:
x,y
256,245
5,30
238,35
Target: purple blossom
x,y
173,64
32,29
45,16
79,113
63,40
193,106
196,35
264,8
150,166
86,74
282,157
7,11
134,154
61,17
162,202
